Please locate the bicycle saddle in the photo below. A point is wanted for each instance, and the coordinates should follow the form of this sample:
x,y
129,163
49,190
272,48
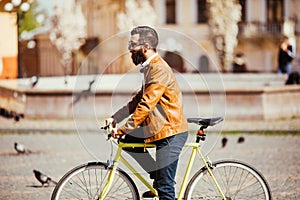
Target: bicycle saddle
x,y
205,121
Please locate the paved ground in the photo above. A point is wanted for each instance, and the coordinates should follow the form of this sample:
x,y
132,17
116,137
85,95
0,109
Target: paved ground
x,y
57,147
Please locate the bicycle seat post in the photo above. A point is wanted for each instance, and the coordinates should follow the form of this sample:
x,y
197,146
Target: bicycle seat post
x,y
200,134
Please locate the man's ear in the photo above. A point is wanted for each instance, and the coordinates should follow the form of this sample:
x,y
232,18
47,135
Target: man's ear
x,y
147,46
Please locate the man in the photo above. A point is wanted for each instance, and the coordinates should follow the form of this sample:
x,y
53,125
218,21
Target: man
x,y
155,114
285,56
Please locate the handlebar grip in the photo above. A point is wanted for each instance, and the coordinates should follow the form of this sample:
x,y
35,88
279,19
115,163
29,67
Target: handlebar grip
x,y
108,128
105,127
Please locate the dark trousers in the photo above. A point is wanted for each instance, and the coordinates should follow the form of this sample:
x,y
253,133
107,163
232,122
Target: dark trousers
x,y
163,169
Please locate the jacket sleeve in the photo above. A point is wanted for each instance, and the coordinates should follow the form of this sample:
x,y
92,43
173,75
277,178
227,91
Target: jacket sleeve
x,y
128,109
154,89
290,54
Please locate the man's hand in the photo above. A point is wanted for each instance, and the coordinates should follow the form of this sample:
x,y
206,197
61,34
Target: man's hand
x,y
113,130
111,121
114,133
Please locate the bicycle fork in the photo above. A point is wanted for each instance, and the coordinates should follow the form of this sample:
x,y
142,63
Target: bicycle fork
x,y
111,175
110,179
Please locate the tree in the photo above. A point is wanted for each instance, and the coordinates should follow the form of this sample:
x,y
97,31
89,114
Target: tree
x,y
136,13
68,32
28,20
223,21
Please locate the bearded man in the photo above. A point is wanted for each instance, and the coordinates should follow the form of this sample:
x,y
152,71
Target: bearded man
x,y
155,114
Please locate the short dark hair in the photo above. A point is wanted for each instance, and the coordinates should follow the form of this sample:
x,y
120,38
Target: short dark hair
x,y
147,35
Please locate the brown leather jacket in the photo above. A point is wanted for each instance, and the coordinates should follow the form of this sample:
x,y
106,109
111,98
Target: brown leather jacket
x,y
157,107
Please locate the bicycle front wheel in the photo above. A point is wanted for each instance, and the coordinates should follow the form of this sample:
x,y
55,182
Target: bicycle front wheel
x,y
237,180
88,180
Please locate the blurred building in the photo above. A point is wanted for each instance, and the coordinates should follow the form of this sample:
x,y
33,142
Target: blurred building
x,y
263,23
8,46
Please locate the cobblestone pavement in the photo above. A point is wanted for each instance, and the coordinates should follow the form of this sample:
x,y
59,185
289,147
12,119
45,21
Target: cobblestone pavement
x,y
56,152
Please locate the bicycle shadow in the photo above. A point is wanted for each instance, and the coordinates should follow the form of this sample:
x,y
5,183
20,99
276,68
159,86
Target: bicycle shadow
x,y
10,153
40,186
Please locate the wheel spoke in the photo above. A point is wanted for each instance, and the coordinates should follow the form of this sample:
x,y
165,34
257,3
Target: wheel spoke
x,y
87,182
237,181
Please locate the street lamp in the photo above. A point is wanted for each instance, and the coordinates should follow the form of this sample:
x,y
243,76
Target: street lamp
x,y
16,6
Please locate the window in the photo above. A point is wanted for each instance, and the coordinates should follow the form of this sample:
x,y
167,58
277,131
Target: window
x,y
243,5
170,11
202,11
275,10
204,64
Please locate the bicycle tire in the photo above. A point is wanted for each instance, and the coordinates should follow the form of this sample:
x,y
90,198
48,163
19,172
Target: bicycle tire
x,y
87,181
236,179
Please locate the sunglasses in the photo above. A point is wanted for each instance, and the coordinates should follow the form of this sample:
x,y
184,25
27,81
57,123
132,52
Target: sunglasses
x,y
132,44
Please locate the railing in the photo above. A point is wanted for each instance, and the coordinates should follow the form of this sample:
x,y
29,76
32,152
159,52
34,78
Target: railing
x,y
259,28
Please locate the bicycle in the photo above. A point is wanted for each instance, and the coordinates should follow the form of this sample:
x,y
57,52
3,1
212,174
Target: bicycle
x,y
227,179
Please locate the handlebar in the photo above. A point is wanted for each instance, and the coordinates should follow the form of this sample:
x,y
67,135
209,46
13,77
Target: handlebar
x,y
108,129
105,127
203,122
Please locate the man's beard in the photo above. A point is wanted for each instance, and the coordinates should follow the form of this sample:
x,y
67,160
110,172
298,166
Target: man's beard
x,y
138,57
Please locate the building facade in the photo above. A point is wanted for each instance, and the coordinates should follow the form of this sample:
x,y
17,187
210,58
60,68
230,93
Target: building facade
x,y
185,37
185,23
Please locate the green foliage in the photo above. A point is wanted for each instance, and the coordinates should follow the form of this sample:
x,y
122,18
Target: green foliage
x,y
27,20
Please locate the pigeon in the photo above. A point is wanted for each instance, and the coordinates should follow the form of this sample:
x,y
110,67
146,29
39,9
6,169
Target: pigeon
x,y
20,148
33,81
42,178
241,139
84,93
224,141
17,117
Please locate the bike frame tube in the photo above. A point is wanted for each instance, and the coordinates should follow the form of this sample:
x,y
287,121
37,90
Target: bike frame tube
x,y
188,169
142,179
119,157
129,166
211,174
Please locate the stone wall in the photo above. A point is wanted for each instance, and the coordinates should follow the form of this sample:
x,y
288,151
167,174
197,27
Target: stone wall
x,y
245,97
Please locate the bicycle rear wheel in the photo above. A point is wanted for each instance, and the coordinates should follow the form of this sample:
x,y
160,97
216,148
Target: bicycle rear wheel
x,y
236,179
88,180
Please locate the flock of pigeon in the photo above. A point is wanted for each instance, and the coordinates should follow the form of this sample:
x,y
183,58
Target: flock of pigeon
x,y
42,178
46,180
10,114
224,141
21,149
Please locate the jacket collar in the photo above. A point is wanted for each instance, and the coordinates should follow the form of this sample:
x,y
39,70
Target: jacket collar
x,y
147,62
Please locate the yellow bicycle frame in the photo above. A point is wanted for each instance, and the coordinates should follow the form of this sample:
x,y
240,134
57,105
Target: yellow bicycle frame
x,y
119,157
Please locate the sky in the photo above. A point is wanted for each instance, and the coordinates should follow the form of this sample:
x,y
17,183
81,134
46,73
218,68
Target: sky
x,y
47,5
